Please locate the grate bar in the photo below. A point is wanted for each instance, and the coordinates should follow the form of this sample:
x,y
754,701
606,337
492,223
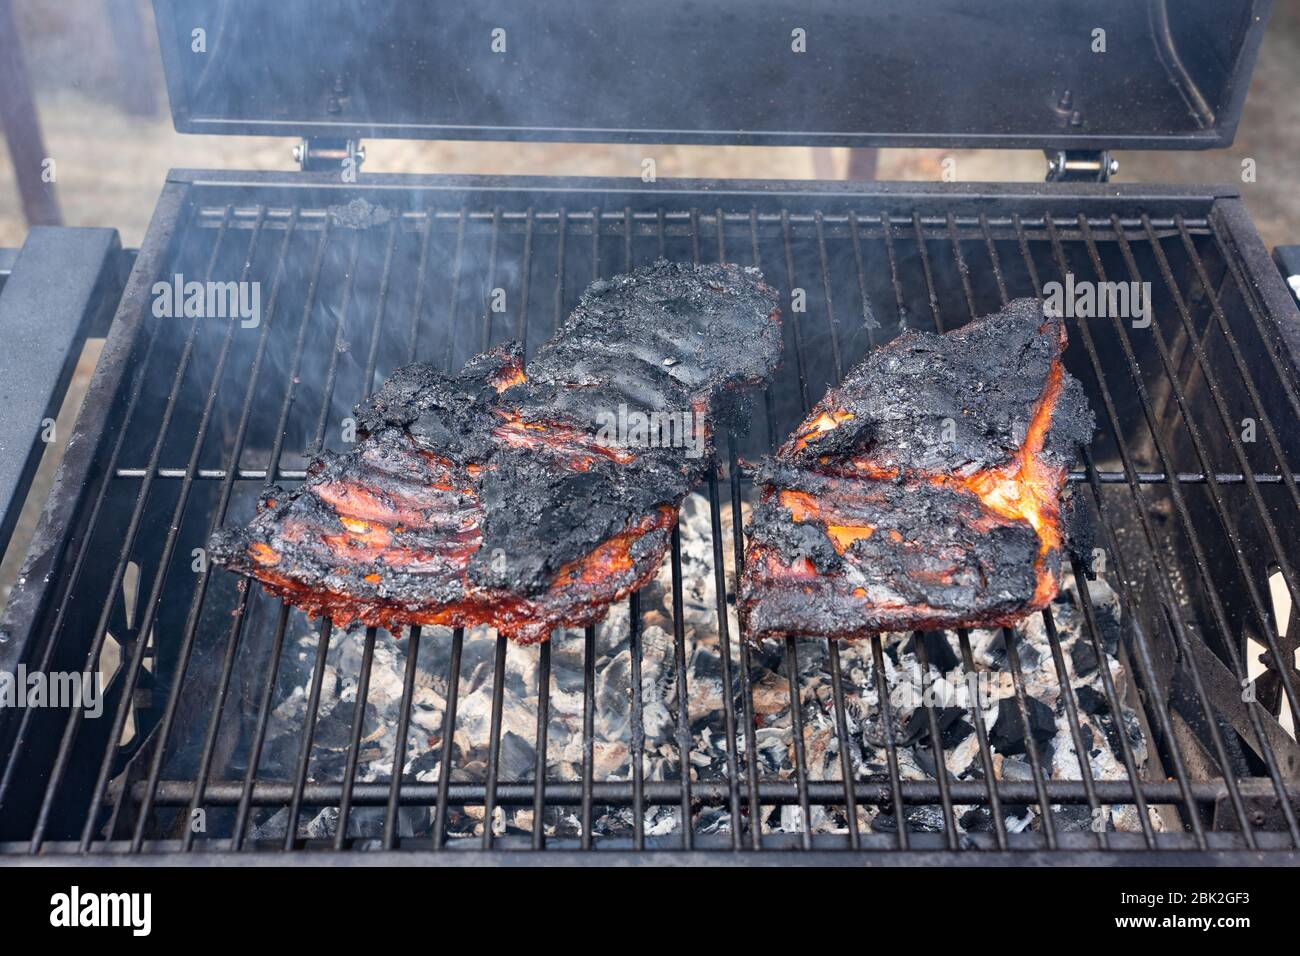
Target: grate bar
x,y
992,248
637,729
448,736
986,753
381,313
924,253
896,798
354,739
1074,477
844,742
401,737
724,654
683,712
962,268
1031,745
869,321
588,730
795,321
747,690
417,308
245,796
796,734
454,304
494,738
543,724
713,792
214,725
525,278
936,742
417,217
331,372
1072,716
887,233
486,341
831,321
308,732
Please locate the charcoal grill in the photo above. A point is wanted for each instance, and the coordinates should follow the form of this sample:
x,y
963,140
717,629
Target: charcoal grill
x,y
188,419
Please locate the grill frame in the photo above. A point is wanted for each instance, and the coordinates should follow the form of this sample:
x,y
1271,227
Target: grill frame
x,y
1222,208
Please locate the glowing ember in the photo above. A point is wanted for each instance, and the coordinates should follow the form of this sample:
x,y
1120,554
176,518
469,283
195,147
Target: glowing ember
x,y
1027,488
827,421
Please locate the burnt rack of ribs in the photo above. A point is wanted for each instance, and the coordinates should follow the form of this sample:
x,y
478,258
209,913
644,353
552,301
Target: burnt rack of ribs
x,y
929,490
496,496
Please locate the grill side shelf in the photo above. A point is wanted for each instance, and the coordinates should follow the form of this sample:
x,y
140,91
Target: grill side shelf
x,y
38,577
62,280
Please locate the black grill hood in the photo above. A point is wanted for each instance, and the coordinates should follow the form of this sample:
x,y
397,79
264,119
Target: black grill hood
x,y
951,73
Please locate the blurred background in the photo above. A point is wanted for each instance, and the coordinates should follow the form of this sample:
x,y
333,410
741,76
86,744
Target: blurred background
x,y
98,88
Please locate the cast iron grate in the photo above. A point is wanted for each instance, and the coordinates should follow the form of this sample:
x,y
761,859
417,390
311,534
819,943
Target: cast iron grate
x,y
1193,518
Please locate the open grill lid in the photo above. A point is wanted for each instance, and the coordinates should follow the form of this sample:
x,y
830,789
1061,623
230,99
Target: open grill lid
x,y
1052,74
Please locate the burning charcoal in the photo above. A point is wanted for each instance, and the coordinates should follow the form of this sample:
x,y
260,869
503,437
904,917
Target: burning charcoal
x,y
1008,734
924,758
1088,738
614,695
955,733
917,729
321,826
334,730
707,753
925,819
1084,657
518,757
524,498
1092,701
428,762
977,820
1072,818
997,649
713,820
937,648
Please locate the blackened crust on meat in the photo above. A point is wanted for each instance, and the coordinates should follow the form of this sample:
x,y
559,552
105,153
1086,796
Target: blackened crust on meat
x,y
666,337
929,491
954,403
670,338
932,558
496,495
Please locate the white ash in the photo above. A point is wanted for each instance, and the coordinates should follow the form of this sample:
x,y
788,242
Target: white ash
x,y
707,758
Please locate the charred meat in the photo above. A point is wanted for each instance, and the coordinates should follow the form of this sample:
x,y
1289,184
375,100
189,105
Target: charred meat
x,y
525,498
927,491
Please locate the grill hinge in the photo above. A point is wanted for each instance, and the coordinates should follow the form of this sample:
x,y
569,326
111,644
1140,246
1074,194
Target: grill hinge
x,y
1080,166
314,154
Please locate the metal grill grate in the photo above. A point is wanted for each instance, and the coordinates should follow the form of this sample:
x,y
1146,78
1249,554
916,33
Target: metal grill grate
x,y
1193,518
